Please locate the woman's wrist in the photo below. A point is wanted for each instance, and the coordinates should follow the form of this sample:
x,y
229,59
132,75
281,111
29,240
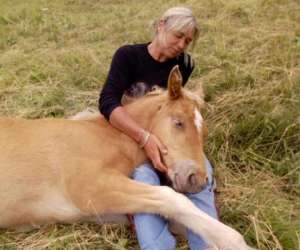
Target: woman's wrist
x,y
143,138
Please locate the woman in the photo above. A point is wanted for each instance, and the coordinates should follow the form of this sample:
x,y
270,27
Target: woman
x,y
150,64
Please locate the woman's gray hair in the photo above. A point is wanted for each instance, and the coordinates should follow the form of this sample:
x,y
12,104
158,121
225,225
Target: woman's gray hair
x,y
179,19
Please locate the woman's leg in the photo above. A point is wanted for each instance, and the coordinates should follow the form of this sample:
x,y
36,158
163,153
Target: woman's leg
x,y
152,230
205,201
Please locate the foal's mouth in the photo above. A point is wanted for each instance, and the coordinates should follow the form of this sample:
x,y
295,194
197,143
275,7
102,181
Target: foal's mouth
x,y
185,177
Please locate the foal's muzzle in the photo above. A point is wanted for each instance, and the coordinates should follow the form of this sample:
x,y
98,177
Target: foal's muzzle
x,y
187,176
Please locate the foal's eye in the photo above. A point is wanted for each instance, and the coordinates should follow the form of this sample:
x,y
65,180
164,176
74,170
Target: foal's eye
x,y
178,123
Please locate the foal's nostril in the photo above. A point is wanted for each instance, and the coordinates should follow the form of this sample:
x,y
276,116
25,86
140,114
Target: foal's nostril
x,y
192,180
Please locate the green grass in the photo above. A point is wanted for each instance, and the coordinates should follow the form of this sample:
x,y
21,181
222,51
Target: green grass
x,y
54,57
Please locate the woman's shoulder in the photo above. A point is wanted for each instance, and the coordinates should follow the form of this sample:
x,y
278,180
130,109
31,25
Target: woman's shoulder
x,y
186,65
185,60
132,49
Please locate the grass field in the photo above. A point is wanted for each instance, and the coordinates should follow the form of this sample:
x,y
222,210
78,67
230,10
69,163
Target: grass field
x,y
54,57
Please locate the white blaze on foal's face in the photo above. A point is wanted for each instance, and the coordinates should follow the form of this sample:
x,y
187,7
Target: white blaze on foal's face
x,y
198,120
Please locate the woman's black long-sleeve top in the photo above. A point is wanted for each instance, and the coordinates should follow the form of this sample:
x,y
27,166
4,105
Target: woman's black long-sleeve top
x,y
132,65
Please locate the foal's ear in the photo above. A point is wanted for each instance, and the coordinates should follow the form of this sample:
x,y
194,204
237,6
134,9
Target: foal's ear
x,y
175,83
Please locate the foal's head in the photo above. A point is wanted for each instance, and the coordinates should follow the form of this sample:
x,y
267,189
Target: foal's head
x,y
180,126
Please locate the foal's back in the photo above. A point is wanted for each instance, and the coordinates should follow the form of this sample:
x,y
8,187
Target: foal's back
x,y
38,158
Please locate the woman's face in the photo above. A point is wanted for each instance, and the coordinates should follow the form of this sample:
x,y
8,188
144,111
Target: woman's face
x,y
173,43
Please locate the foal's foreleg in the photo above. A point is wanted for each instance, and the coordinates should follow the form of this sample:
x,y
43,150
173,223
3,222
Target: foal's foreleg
x,y
119,194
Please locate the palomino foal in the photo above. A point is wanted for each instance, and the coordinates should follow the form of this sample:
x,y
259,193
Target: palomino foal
x,y
58,170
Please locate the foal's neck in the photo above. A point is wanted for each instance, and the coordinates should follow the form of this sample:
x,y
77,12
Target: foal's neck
x,y
143,111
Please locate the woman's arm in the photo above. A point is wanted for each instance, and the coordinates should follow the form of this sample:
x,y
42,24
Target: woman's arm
x,y
118,80
121,120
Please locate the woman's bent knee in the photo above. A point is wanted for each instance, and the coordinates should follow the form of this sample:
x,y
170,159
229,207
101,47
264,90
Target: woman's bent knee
x,y
145,173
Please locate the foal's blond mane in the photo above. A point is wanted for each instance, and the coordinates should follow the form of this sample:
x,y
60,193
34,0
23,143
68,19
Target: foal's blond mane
x,y
196,96
91,114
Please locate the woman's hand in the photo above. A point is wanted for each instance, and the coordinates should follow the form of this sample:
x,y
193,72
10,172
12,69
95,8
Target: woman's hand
x,y
155,149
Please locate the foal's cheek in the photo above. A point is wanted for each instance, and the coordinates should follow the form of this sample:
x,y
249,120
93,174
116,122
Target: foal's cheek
x,y
170,175
167,160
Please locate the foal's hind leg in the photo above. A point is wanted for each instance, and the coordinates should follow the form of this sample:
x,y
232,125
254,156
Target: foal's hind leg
x,y
114,193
